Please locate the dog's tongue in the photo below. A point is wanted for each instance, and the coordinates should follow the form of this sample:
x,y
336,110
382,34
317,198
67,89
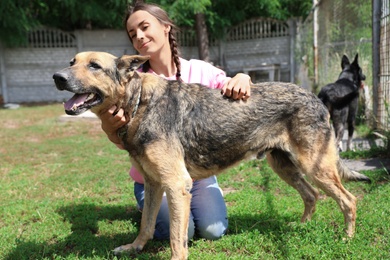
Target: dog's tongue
x,y
75,101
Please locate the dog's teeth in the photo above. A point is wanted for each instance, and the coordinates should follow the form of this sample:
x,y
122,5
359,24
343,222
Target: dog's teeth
x,y
90,96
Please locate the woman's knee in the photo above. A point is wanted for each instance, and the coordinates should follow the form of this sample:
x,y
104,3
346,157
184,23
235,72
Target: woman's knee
x,y
212,231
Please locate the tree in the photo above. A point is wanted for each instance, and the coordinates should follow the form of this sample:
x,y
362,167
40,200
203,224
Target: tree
x,y
16,20
192,14
203,38
20,16
217,15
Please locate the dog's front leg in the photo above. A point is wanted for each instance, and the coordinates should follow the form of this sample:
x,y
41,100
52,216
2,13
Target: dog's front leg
x,y
179,200
152,202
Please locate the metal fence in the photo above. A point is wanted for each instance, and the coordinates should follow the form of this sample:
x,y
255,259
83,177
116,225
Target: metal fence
x,y
383,107
51,38
338,27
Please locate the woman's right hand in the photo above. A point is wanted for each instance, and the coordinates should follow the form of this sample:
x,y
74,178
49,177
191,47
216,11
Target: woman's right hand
x,y
111,122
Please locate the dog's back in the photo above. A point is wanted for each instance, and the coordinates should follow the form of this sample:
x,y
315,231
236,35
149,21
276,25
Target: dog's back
x,y
203,121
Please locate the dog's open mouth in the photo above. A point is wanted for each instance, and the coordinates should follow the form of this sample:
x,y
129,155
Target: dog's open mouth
x,y
80,103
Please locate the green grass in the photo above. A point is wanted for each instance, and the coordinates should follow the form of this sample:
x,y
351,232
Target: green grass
x,y
65,194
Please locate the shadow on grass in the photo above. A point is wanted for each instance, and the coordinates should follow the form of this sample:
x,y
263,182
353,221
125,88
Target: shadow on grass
x,y
85,239
269,223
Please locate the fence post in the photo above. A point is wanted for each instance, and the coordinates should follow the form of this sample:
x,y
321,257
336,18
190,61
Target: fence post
x,y
376,34
315,41
79,40
292,26
3,75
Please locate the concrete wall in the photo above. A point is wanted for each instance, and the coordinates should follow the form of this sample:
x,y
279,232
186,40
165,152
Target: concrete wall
x,y
26,73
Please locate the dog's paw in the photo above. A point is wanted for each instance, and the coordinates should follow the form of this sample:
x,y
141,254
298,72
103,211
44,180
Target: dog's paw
x,y
126,249
119,251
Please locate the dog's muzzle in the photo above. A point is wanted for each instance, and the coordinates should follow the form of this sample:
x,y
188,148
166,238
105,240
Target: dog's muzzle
x,y
82,100
61,80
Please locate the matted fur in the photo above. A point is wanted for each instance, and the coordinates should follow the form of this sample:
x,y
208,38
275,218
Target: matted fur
x,y
179,132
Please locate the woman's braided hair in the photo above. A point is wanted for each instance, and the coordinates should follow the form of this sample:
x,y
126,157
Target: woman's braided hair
x,y
162,16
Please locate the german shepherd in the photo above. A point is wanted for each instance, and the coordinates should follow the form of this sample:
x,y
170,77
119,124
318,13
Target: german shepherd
x,y
341,98
179,132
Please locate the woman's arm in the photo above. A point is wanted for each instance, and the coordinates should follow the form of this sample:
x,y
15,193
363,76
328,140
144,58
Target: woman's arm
x,y
238,87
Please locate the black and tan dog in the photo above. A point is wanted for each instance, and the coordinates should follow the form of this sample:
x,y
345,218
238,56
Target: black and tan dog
x,y
341,98
180,132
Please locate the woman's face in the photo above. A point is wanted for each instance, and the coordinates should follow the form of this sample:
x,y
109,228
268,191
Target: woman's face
x,y
148,35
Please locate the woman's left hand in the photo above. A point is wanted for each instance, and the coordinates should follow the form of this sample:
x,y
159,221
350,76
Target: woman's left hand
x,y
238,87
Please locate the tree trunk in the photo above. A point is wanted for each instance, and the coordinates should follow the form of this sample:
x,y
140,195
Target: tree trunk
x,y
203,38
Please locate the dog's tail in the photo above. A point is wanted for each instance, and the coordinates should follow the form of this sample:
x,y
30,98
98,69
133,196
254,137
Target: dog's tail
x,y
349,175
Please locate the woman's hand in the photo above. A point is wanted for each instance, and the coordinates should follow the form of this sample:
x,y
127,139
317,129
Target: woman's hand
x,y
111,122
238,87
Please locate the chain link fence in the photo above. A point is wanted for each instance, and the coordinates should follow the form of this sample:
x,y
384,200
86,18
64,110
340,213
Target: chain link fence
x,y
383,107
346,27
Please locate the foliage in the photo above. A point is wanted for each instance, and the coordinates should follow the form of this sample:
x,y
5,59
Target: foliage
x,y
366,132
183,11
225,13
351,15
88,14
364,154
16,20
386,126
20,16
65,194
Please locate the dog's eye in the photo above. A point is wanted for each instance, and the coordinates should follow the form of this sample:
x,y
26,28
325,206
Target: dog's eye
x,y
94,65
72,62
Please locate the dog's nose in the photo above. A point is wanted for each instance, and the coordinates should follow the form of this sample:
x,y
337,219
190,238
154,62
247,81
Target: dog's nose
x,y
60,77
60,80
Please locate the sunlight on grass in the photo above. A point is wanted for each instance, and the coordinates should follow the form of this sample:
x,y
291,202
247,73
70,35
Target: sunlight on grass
x,y
66,194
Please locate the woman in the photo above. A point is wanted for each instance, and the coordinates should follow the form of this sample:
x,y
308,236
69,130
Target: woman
x,y
152,33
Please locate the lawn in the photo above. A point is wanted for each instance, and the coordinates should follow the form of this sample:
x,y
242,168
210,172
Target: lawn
x,y
66,194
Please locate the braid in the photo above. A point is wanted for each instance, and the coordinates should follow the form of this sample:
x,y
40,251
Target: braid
x,y
175,54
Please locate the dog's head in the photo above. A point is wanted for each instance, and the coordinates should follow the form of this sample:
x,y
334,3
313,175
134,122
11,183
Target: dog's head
x,y
97,79
352,71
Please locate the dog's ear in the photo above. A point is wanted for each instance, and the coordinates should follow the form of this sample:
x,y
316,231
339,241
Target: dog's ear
x,y
128,64
356,60
131,62
137,61
344,61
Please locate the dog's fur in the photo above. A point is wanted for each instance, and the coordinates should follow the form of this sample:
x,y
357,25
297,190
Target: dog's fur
x,y
180,132
341,98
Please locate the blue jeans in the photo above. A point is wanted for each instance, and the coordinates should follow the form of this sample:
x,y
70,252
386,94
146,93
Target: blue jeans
x,y
208,216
